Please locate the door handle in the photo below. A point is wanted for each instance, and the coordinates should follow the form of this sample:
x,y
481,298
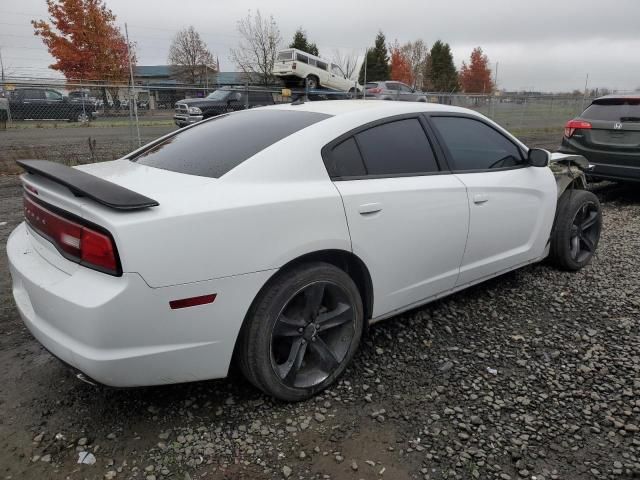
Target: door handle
x,y
480,198
369,208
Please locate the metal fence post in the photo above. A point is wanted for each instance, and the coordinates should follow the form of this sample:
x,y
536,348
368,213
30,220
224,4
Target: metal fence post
x,y
246,96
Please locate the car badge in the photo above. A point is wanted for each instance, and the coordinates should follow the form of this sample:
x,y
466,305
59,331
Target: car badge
x,y
617,126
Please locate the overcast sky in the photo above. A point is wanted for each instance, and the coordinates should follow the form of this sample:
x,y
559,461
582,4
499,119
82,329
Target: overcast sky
x,y
547,45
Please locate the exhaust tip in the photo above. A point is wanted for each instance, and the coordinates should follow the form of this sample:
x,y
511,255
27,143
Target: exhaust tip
x,y
83,378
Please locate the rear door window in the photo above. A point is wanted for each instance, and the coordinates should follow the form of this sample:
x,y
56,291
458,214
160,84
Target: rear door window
x,y
214,147
302,58
33,94
473,145
399,147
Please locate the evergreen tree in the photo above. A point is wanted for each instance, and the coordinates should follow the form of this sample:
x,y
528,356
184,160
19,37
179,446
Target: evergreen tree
x,y
301,42
377,61
440,71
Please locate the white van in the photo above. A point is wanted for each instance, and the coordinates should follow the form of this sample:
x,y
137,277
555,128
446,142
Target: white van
x,y
295,67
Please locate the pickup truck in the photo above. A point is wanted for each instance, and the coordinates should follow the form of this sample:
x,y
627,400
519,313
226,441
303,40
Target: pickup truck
x,y
223,100
47,104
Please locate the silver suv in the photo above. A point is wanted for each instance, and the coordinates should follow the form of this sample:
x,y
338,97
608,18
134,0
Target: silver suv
x,y
391,90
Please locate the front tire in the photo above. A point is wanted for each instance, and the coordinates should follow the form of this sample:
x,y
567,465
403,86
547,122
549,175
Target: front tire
x,y
577,230
301,332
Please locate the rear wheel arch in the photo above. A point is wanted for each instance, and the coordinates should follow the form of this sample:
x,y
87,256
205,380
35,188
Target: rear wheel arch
x,y
350,263
347,261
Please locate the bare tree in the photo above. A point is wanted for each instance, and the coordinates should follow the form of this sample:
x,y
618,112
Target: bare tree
x,y
417,53
256,53
189,56
348,61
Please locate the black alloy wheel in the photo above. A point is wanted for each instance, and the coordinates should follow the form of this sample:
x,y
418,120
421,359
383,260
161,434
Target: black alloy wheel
x,y
302,331
577,228
585,232
312,334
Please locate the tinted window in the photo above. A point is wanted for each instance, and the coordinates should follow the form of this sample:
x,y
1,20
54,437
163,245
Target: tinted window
x,y
399,147
344,160
302,58
52,95
321,65
34,94
216,146
371,85
476,146
614,110
404,88
392,86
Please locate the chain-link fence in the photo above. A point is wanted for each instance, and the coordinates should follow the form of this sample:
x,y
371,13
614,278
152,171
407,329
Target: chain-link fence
x,y
86,122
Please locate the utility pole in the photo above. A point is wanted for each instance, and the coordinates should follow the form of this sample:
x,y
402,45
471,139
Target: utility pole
x,y
132,106
1,65
584,97
364,84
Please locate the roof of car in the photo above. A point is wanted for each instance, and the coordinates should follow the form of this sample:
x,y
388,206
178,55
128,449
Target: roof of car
x,y
343,107
615,96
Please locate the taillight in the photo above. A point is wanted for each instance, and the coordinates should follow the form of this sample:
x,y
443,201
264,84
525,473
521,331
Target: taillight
x,y
293,66
573,125
374,90
76,241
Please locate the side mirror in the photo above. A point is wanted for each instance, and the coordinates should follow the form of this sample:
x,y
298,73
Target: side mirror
x,y
538,157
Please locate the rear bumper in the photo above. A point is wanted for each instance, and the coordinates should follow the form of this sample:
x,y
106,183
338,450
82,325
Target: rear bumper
x,y
606,165
119,331
184,120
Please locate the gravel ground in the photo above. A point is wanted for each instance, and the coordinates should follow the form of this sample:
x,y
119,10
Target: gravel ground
x,y
535,374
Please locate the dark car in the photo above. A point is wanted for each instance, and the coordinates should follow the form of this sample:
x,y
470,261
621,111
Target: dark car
x,y
48,104
392,90
192,110
607,134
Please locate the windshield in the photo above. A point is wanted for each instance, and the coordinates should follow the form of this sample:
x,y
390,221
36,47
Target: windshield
x,y
218,95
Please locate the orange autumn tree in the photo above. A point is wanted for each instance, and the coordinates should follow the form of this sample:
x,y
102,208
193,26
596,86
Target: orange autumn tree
x,y
476,77
401,70
85,41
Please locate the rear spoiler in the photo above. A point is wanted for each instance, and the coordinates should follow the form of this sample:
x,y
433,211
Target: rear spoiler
x,y
83,184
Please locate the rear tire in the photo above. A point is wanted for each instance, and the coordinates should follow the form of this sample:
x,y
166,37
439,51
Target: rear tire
x,y
312,82
577,230
301,332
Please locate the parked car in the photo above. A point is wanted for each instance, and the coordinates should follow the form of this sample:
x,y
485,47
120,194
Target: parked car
x,y
274,235
47,104
392,90
223,100
607,134
297,68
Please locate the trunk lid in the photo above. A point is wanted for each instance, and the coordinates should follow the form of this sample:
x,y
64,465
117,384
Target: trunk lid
x,y
164,186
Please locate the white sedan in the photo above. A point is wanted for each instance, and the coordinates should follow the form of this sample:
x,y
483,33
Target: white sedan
x,y
273,236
